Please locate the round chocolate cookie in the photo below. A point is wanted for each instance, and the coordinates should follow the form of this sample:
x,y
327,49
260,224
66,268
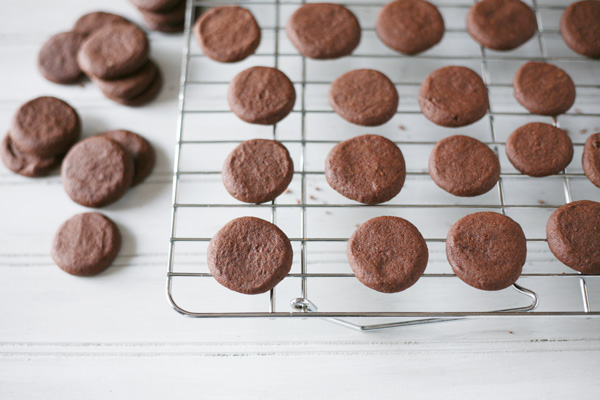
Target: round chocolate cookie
x,y
86,244
573,233
140,150
93,21
57,59
544,89
464,166
453,97
580,27
145,97
156,5
24,163
261,95
387,254
170,17
323,31
227,34
128,86
591,158
364,97
369,169
257,171
249,255
96,172
486,250
538,149
114,51
501,24
45,126
410,26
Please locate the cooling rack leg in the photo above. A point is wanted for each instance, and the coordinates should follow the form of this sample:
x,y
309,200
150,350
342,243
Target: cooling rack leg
x,y
305,305
398,324
584,295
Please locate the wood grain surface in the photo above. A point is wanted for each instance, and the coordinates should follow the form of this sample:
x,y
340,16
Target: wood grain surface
x,y
115,336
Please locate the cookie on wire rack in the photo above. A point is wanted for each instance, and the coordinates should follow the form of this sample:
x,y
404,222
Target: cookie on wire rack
x,y
369,169
486,250
453,97
249,255
323,31
227,34
387,254
410,26
573,233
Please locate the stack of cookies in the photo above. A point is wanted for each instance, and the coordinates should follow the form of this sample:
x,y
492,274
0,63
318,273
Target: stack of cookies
x,y
111,51
162,15
116,58
42,131
123,158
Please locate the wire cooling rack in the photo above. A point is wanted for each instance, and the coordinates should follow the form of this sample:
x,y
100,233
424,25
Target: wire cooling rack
x,y
319,221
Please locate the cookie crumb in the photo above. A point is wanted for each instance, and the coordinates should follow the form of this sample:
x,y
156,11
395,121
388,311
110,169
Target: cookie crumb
x,y
318,189
298,201
577,111
541,202
312,197
287,191
511,332
401,127
583,131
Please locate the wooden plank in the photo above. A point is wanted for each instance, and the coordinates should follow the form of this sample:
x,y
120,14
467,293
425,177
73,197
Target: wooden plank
x,y
534,373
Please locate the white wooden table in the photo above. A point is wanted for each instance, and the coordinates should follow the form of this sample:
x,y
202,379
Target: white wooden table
x,y
115,336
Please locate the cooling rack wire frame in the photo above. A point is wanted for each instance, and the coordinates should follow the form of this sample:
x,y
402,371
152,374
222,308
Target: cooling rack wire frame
x,y
300,305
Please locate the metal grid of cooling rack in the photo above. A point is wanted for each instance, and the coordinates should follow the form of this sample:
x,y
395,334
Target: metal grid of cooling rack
x,y
301,305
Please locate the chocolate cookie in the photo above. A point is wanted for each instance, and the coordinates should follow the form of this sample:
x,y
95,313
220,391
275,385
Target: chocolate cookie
x,y
86,244
24,163
544,89
580,27
138,148
97,172
261,95
486,250
410,26
93,21
249,255
114,51
170,17
387,254
364,97
145,97
156,5
538,149
128,86
464,166
453,97
591,158
573,233
257,171
227,34
57,59
323,31
369,169
45,126
501,24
